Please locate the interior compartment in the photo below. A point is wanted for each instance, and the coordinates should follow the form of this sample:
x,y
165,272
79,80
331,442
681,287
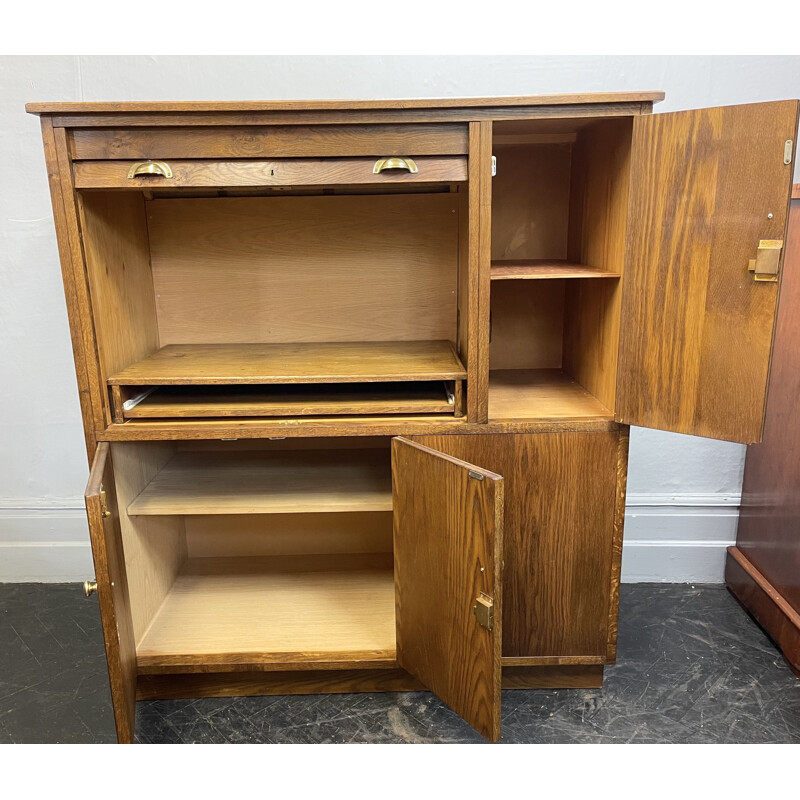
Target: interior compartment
x,y
334,287
559,211
273,554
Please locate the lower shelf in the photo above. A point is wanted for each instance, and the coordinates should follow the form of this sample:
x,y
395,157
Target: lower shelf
x,y
290,611
519,394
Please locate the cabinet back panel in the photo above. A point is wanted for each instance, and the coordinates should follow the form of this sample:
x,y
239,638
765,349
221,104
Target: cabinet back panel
x,y
305,269
289,534
530,201
527,324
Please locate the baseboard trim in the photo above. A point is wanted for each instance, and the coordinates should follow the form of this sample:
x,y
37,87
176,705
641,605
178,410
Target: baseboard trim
x,y
760,598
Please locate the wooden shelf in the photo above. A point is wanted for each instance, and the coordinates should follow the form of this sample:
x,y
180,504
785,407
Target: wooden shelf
x,y
524,394
293,401
327,362
545,268
280,612
269,482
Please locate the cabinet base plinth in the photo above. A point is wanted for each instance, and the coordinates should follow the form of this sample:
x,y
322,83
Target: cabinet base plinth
x,y
245,684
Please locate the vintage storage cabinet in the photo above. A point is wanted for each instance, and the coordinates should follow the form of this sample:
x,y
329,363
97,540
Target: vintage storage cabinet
x,y
357,406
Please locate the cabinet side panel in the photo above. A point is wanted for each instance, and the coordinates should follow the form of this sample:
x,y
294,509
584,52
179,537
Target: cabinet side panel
x,y
769,519
559,535
155,547
70,291
120,281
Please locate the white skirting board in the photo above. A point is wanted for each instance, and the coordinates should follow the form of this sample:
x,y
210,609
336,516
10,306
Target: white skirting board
x,y
668,539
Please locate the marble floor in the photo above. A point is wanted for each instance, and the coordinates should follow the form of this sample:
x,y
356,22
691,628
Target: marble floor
x,y
692,667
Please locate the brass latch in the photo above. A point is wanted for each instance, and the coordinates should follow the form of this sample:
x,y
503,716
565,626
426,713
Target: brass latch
x,y
765,265
484,611
104,504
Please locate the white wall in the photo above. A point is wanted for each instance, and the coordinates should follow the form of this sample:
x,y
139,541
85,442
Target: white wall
x,y
683,491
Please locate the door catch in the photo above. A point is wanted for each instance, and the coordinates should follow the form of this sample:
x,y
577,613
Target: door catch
x,y
768,257
104,504
484,611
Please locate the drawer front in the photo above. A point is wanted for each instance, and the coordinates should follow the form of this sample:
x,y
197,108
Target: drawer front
x,y
280,141
263,172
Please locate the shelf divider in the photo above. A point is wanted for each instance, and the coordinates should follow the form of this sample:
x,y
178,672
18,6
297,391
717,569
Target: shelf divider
x,y
536,269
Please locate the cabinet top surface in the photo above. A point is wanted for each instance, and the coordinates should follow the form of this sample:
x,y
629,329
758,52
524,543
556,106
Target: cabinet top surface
x,y
344,105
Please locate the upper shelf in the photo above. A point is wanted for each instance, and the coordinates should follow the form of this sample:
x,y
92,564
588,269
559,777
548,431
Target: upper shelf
x,y
279,482
304,362
545,268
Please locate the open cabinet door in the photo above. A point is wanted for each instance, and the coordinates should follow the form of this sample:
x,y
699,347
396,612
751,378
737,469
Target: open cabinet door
x,y
448,521
112,591
709,192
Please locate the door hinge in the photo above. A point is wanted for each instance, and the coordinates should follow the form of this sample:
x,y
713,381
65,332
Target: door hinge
x,y
787,152
484,611
494,166
768,257
104,504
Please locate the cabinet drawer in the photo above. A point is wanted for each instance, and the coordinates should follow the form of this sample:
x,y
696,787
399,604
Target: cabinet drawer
x,y
279,141
262,172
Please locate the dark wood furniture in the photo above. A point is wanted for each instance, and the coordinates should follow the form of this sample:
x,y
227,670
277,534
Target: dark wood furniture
x,y
763,569
358,408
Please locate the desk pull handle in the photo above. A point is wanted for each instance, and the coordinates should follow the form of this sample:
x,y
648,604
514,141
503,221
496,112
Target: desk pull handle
x,y
150,168
395,163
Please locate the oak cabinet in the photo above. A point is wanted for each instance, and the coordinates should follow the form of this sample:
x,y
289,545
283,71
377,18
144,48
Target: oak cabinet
x,y
356,377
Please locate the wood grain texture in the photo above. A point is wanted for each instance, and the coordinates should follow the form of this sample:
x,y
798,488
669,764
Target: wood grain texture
x,y
599,197
530,202
123,119
283,172
247,535
623,442
527,325
299,400
293,141
478,260
559,536
697,332
766,603
155,547
323,105
281,482
448,531
112,592
237,684
306,362
518,394
262,269
70,236
557,677
536,269
79,353
117,250
285,611
769,518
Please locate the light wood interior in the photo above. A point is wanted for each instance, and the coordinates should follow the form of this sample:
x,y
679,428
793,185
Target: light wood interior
x,y
276,610
332,288
559,209
233,554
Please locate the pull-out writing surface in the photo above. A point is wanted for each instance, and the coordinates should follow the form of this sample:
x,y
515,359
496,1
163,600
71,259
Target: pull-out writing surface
x,y
709,187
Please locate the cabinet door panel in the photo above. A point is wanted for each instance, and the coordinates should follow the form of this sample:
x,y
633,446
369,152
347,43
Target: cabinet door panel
x,y
448,519
706,187
562,536
112,591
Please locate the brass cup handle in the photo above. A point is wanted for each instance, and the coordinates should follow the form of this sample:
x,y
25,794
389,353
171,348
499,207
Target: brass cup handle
x,y
89,588
150,168
395,163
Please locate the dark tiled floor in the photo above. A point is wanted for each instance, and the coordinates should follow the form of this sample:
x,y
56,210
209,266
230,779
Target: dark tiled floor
x,y
692,667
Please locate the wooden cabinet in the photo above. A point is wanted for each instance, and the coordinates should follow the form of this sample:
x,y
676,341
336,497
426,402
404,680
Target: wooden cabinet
x,y
763,569
356,377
